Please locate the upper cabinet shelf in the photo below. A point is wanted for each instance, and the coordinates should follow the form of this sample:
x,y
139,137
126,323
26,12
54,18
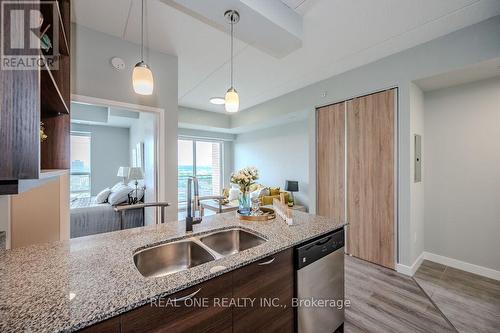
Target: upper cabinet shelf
x,y
56,19
54,90
55,81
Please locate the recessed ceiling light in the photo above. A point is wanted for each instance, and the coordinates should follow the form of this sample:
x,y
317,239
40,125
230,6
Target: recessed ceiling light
x,y
217,100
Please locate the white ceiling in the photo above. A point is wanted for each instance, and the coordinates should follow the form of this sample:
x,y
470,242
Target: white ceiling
x,y
300,6
338,35
480,71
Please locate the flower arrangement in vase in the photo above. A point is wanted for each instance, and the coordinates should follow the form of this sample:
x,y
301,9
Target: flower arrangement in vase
x,y
244,178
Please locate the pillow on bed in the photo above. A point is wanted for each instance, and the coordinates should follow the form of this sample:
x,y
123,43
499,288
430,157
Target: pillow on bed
x,y
119,195
140,193
118,185
102,197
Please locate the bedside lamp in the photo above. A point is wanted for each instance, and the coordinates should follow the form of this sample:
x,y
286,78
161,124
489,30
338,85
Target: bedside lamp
x,y
123,172
135,173
292,186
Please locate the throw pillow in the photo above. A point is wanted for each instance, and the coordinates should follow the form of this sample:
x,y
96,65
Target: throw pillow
x,y
259,193
254,187
102,196
120,195
140,193
263,192
274,191
117,186
234,194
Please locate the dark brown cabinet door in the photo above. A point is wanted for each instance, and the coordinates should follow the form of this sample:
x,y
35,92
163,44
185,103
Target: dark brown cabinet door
x,y
271,281
162,316
108,326
19,111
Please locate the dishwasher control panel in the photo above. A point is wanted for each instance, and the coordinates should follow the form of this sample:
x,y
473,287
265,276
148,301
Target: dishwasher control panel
x,y
317,249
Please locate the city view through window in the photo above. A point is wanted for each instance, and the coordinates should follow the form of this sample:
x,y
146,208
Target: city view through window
x,y
202,159
80,165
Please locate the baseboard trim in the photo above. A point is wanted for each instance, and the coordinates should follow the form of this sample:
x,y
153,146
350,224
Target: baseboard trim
x,y
464,266
458,264
410,270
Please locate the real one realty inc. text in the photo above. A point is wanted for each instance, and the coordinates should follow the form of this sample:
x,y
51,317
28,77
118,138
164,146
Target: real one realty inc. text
x,y
249,302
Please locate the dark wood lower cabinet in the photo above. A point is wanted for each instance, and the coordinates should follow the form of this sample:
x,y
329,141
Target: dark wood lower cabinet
x,y
189,316
269,282
112,325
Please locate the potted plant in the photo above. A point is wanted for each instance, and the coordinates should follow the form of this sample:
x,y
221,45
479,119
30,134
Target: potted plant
x,y
244,178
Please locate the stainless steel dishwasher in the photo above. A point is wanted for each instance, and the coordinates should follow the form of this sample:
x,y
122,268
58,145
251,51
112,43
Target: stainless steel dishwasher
x,y
320,276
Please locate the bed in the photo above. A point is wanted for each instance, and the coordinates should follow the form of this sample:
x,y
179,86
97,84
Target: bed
x,y
89,218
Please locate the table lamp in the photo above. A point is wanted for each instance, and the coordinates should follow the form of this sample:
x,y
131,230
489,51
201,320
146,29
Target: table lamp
x,y
135,173
123,172
292,186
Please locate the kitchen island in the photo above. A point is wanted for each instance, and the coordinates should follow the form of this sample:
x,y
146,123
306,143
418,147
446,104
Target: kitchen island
x,y
68,286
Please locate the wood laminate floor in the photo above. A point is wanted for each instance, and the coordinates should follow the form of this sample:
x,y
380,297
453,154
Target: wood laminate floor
x,y
471,302
385,301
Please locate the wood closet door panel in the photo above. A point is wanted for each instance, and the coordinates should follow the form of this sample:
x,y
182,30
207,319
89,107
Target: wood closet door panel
x,y
331,161
370,177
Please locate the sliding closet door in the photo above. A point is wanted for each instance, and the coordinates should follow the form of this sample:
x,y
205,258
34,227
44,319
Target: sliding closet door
x,y
331,161
370,177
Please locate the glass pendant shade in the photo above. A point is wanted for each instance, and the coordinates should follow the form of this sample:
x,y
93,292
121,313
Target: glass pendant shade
x,y
232,101
142,79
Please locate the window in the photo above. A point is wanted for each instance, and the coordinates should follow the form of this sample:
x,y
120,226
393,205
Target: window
x,y
80,165
203,159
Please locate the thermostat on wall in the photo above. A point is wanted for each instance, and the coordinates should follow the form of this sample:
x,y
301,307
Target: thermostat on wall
x,y
118,63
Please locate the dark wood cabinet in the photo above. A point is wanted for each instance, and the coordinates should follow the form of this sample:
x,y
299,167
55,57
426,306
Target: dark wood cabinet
x,y
270,283
195,312
19,113
201,308
31,96
112,325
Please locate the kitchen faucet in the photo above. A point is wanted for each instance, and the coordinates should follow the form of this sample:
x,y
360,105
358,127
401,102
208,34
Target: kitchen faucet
x,y
193,203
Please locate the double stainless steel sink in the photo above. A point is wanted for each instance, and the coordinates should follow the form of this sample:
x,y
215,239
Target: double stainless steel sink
x,y
177,256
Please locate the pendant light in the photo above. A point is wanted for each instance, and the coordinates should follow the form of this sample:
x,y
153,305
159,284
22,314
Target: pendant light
x,y
142,77
232,100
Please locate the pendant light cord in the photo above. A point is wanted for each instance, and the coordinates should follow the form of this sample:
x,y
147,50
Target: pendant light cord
x,y
142,30
232,24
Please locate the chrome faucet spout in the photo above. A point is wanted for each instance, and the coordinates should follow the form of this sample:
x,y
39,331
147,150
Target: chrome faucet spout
x,y
193,202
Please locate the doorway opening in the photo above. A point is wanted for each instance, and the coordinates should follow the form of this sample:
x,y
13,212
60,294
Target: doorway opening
x,y
114,163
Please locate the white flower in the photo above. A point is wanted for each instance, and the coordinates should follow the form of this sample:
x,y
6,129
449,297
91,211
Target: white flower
x,y
245,177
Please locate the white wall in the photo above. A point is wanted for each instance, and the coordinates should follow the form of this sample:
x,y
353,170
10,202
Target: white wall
x,y
462,174
143,130
92,75
279,153
417,189
457,50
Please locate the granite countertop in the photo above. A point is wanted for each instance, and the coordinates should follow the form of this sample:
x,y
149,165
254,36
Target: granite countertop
x,y
66,286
